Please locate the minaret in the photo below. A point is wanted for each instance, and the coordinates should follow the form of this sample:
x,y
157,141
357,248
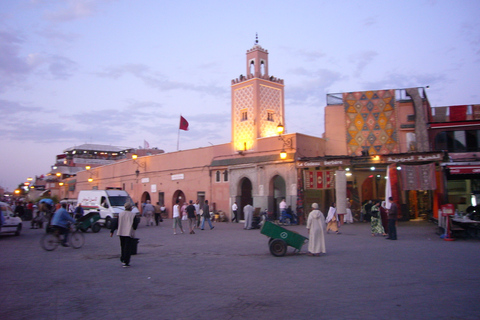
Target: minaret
x,y
257,102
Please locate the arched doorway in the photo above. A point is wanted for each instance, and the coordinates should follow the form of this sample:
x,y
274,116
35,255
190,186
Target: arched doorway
x,y
180,196
143,199
245,195
277,192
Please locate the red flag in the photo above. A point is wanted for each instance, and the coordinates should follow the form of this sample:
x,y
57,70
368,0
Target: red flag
x,y
183,124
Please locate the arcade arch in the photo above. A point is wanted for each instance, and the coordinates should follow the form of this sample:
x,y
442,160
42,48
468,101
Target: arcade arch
x,y
245,197
277,192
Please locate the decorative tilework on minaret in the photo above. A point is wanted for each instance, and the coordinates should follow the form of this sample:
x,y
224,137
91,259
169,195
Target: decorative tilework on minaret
x,y
257,102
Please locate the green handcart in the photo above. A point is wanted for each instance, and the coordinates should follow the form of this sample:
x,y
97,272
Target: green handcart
x,y
281,238
89,221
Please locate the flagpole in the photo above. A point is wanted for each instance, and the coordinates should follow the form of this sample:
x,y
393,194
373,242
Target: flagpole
x,y
178,139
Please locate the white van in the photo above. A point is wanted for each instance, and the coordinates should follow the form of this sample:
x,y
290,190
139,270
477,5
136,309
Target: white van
x,y
109,203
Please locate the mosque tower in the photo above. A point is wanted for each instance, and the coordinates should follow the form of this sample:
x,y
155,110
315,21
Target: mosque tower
x,y
257,102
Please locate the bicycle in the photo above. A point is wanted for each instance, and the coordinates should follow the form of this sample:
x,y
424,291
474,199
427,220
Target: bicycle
x,y
51,240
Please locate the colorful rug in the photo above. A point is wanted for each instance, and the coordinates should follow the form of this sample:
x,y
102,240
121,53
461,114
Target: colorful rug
x,y
370,122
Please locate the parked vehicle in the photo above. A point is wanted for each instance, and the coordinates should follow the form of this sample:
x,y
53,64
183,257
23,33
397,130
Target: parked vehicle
x,y
108,203
12,223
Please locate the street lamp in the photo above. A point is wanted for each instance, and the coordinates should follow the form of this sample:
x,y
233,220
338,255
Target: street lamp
x,y
90,179
287,143
139,164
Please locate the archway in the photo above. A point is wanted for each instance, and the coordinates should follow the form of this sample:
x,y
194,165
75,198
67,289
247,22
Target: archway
x,y
143,200
245,195
180,196
277,192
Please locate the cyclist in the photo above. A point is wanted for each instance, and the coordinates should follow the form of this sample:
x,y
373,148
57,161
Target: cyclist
x,y
61,220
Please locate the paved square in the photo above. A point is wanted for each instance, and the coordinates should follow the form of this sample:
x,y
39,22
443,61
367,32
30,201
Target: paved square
x,y
229,273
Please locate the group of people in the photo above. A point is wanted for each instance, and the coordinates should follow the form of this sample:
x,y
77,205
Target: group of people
x,y
382,216
317,225
192,212
151,211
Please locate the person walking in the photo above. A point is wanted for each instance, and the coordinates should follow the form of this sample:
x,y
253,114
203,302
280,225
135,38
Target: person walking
x,y
332,220
192,219
376,220
126,224
177,221
248,212
79,211
206,216
283,210
158,212
198,212
183,210
349,215
384,216
235,211
392,220
316,232
368,210
148,212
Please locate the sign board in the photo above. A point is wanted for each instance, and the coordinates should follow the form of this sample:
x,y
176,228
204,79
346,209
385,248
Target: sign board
x,y
179,176
448,209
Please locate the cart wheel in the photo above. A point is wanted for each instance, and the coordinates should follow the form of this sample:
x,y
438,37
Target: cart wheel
x,y
278,247
96,227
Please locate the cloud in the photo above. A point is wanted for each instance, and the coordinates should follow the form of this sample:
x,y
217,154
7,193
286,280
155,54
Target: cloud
x,y
60,67
362,60
471,34
54,34
157,80
72,10
10,109
307,55
312,87
370,21
399,80
13,68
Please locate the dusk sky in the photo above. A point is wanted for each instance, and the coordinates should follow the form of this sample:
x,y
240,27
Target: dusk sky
x,y
119,72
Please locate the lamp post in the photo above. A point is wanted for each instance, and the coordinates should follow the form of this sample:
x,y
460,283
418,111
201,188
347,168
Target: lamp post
x,y
139,164
287,143
92,174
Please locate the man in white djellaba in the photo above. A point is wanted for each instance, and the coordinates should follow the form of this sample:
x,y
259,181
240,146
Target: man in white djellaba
x,y
316,232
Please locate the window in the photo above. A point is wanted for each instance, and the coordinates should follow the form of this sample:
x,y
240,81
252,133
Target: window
x,y
225,175
217,176
458,141
270,115
244,115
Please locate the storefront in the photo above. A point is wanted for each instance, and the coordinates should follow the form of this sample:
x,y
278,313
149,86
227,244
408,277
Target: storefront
x,y
415,181
462,184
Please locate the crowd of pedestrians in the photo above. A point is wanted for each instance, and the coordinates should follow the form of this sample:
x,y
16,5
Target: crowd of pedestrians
x,y
382,217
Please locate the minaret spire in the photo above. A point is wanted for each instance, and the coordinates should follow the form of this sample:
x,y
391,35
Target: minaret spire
x,y
256,38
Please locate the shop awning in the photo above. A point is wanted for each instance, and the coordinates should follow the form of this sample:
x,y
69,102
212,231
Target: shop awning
x,y
464,169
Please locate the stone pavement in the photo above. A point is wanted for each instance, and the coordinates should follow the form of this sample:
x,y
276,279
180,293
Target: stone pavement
x,y
229,273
